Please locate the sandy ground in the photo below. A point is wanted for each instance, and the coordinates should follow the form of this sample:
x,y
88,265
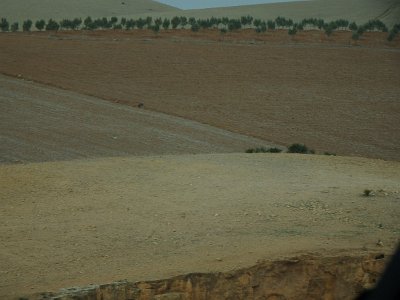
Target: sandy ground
x,y
327,93
41,123
75,223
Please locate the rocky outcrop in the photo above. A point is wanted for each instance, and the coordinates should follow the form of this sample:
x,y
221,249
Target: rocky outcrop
x,y
304,277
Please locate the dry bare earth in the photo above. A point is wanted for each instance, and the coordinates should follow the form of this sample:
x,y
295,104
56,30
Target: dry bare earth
x,y
74,223
40,123
79,222
332,96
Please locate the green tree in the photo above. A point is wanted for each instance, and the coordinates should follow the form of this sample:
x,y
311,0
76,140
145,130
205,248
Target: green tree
x,y
4,25
40,24
271,25
106,23
14,27
166,24
192,21
76,23
27,25
246,20
184,22
292,31
158,21
130,24
113,20
140,23
257,23
234,24
195,27
320,23
353,26
155,28
66,24
52,25
149,21
88,23
123,21
175,22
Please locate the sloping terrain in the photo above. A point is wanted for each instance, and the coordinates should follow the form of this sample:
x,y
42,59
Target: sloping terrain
x,y
40,123
332,97
18,10
359,11
65,224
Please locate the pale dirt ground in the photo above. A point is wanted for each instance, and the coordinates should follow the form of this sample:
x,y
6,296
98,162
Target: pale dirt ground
x,y
74,223
95,221
329,93
41,123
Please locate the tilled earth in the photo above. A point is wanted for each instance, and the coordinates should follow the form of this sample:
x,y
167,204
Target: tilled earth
x,y
332,94
41,123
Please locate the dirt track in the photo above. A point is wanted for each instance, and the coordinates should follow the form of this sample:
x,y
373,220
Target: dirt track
x,y
322,92
41,123
74,223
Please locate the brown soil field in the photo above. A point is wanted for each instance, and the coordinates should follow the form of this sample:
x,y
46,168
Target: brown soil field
x,y
73,223
332,94
41,123
143,215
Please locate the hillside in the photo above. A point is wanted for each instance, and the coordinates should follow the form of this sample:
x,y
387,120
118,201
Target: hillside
x,y
58,9
279,89
65,224
40,123
359,11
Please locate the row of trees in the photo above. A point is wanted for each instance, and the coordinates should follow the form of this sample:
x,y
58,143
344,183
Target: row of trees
x,y
223,24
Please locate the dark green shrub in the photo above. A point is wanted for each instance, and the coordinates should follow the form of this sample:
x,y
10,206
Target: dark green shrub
x,y
4,25
292,31
353,26
14,27
329,153
271,25
368,193
27,25
195,27
166,24
52,25
264,150
175,22
300,148
275,150
40,24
